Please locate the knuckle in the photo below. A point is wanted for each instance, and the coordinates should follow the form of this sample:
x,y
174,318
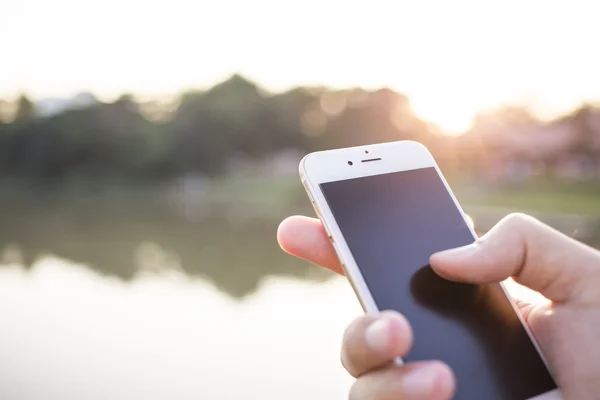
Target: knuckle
x,y
348,332
349,363
516,218
362,390
349,337
344,361
350,341
518,221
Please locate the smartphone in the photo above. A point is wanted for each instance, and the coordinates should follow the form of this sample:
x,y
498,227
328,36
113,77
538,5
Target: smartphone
x,y
387,208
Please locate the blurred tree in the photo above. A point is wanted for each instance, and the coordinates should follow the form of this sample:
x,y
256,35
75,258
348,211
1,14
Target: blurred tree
x,y
7,111
582,120
496,122
234,117
204,131
288,109
587,145
383,116
25,110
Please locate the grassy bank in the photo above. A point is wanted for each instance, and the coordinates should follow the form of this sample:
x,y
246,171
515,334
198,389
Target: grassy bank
x,y
287,195
543,196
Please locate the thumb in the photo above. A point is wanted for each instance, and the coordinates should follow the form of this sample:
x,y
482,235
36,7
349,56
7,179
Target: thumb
x,y
533,254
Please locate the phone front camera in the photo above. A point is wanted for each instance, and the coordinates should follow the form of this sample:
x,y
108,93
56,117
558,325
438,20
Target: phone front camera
x,y
350,163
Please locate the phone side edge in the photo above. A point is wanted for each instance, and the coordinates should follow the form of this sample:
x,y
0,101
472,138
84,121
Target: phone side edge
x,y
347,263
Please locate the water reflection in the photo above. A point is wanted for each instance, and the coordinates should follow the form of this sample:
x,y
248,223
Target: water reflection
x,y
69,333
234,248
234,253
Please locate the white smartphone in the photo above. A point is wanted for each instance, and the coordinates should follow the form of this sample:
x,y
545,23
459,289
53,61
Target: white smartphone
x,y
386,209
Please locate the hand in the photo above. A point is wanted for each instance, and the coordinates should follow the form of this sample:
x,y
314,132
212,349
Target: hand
x,y
565,271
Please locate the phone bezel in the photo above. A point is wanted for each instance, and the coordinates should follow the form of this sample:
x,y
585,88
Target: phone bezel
x,y
333,165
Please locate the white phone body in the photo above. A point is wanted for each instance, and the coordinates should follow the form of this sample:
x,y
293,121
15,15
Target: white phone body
x,y
333,165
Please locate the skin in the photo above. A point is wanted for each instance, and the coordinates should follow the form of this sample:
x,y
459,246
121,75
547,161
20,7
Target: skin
x,y
567,329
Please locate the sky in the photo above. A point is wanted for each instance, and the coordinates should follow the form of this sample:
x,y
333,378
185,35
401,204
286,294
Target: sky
x,y
452,58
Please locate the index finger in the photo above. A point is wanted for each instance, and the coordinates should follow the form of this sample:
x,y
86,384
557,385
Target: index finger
x,y
306,238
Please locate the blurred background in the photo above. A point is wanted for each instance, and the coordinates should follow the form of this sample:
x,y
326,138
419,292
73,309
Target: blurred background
x,y
149,149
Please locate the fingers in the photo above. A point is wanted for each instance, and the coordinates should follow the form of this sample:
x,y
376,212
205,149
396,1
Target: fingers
x,y
526,308
534,254
431,380
371,344
372,341
306,238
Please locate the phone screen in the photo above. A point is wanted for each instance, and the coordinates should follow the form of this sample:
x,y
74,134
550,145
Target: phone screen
x,y
392,223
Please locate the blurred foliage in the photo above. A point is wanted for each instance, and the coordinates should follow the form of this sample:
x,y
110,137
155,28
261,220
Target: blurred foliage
x,y
203,133
205,130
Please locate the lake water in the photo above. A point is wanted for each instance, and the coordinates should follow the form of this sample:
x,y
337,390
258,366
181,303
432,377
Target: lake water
x,y
70,333
141,303
121,302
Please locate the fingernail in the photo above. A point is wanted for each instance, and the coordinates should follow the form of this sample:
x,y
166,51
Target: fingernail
x,y
419,383
463,251
378,335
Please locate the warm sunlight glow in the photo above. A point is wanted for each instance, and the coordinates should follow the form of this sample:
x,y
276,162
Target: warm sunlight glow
x,y
523,293
470,221
451,58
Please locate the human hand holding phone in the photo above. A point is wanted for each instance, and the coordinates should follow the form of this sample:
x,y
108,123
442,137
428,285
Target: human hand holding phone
x,y
385,209
535,255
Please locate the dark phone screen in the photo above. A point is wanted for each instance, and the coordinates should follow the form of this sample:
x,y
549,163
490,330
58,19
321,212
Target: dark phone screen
x,y
392,223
